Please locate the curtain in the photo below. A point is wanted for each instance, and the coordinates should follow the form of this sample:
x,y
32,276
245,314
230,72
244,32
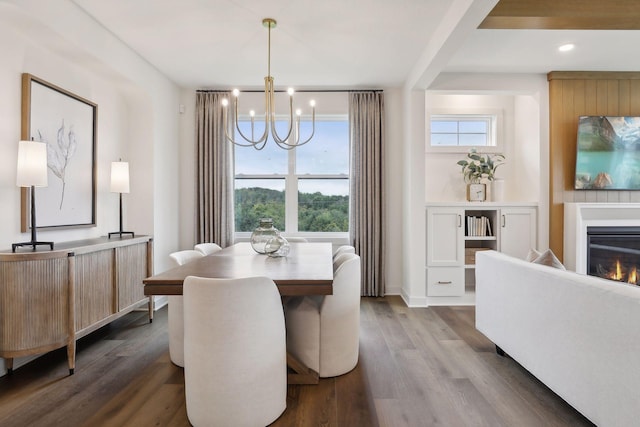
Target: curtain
x,y
367,210
214,172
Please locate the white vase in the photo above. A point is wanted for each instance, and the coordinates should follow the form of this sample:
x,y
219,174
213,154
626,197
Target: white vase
x,y
497,190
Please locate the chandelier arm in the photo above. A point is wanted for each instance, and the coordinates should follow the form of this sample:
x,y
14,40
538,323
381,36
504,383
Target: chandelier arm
x,y
226,127
299,144
259,146
313,129
250,141
285,146
274,132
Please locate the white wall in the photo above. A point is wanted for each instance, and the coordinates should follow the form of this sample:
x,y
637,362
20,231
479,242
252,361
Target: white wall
x,y
444,181
137,118
187,169
520,140
21,55
394,138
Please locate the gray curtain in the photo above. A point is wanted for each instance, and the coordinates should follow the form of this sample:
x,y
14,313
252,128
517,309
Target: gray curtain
x,y
367,210
214,172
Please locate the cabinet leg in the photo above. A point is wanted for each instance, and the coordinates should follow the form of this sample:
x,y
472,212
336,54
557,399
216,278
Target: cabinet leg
x,y
151,308
9,365
500,352
71,356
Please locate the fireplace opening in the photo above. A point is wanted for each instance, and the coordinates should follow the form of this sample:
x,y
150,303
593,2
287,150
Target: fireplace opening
x,y
614,253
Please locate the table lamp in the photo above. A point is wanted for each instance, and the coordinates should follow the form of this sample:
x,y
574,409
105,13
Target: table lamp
x,y
32,172
120,184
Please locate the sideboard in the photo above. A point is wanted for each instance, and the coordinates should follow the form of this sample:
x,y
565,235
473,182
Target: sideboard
x,y
51,298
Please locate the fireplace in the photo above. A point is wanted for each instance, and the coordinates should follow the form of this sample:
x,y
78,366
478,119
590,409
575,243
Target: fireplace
x,y
614,253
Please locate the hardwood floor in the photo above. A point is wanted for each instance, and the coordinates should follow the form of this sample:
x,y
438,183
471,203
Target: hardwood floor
x,y
418,367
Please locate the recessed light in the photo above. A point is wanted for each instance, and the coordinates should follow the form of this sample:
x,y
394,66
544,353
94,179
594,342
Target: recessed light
x,y
566,47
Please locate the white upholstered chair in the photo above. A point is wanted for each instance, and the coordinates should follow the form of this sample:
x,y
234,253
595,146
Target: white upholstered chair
x,y
346,249
323,332
207,248
176,310
235,351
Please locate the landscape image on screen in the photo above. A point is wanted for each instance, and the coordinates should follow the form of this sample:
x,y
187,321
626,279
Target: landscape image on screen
x,y
608,154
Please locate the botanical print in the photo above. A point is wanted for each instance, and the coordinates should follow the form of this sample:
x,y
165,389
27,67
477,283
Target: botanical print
x,y
66,124
58,155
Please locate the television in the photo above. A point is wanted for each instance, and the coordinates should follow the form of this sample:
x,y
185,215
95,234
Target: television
x,y
608,153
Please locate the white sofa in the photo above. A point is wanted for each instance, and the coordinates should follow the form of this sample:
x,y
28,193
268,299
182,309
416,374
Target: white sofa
x,y
579,335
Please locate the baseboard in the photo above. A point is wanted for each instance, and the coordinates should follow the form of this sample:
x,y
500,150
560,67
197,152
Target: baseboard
x,y
414,302
159,302
395,290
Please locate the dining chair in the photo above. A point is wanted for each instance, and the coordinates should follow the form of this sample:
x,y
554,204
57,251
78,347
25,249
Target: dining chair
x,y
235,368
207,248
176,309
324,332
345,249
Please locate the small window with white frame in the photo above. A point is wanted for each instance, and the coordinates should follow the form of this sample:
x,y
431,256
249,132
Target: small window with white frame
x,y
459,132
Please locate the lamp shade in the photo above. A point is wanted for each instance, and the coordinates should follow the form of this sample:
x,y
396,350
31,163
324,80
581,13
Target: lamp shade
x,y
32,164
119,177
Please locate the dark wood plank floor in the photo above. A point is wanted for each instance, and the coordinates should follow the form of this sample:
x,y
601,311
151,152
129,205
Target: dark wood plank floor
x,y
418,367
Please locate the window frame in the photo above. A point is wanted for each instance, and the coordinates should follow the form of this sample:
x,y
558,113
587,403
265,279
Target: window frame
x,y
291,179
494,132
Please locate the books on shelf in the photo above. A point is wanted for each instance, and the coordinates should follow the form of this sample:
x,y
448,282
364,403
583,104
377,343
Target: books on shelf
x,y
478,226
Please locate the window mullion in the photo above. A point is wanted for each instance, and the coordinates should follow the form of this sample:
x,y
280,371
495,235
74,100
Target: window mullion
x,y
291,194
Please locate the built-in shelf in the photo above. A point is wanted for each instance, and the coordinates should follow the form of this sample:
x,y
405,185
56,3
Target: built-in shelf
x,y
451,251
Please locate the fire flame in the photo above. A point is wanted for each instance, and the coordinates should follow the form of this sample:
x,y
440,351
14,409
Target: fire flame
x,y
618,275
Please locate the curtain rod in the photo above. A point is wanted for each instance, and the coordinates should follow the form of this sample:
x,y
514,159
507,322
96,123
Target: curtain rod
x,y
297,91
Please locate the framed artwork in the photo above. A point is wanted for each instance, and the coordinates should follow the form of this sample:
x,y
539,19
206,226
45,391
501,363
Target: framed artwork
x,y
67,123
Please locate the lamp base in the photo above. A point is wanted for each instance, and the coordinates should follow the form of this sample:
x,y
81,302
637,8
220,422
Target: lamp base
x,y
33,245
120,233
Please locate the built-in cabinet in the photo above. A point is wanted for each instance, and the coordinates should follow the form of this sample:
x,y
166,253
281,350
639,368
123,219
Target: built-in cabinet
x,y
457,231
49,299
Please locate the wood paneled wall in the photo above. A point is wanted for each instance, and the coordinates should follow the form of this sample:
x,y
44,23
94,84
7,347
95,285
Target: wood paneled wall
x,y
574,94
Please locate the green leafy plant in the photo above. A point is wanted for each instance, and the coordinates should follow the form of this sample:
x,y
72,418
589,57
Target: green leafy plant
x,y
478,166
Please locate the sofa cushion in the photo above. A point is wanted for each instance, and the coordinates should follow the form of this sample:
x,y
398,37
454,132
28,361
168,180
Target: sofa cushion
x,y
549,258
532,255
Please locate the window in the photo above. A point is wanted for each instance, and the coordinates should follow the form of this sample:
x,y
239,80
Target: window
x,y
468,131
460,132
304,190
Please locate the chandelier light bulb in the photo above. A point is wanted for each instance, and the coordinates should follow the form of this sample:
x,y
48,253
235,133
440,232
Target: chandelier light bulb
x,y
290,91
225,102
298,112
252,113
312,103
236,93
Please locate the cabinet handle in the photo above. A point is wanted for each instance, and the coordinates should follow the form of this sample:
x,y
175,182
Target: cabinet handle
x,y
504,221
459,221
440,282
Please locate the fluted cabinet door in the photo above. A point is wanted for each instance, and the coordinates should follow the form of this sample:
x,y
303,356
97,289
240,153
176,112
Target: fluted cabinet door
x,y
132,269
34,305
95,288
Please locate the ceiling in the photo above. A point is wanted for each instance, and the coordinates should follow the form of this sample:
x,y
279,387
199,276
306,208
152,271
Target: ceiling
x,y
366,43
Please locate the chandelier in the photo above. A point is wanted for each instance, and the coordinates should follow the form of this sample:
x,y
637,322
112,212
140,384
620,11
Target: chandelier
x,y
292,137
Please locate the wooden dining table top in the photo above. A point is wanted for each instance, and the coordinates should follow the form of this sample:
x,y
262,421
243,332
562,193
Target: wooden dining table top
x,y
307,270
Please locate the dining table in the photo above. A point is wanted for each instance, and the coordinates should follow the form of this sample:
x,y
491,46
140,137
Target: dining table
x,y
306,270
